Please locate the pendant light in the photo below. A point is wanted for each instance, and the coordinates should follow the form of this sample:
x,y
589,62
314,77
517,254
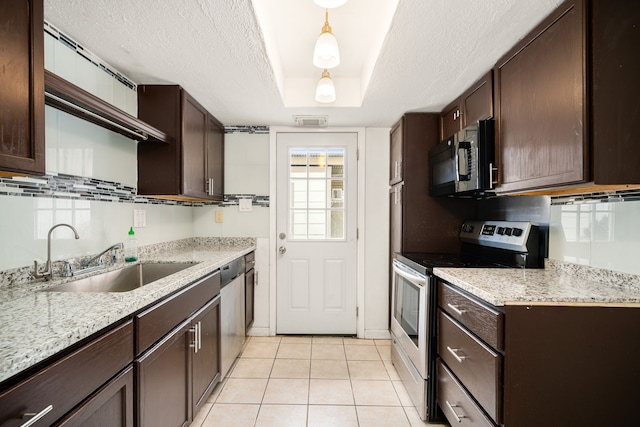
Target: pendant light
x,y
326,53
325,90
330,3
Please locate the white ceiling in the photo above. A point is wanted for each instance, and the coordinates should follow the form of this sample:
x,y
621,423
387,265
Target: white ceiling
x,y
257,71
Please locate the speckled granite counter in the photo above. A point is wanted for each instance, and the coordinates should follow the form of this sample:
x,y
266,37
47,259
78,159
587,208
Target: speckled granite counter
x,y
36,324
557,283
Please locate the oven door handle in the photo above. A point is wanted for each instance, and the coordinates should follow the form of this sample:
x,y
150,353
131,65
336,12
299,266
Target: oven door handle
x,y
408,274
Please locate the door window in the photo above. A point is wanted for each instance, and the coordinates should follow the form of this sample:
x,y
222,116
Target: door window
x,y
316,197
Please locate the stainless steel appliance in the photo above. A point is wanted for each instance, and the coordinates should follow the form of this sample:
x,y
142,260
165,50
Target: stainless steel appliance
x,y
232,328
413,314
463,165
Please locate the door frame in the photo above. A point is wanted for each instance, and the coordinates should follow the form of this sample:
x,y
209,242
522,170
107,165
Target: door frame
x,y
273,197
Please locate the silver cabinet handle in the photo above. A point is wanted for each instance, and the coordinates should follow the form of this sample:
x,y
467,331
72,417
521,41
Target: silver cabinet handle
x,y
35,417
456,309
282,250
454,352
453,411
492,182
198,336
194,344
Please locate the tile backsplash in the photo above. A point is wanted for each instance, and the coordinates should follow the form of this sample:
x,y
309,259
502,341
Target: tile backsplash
x,y
604,235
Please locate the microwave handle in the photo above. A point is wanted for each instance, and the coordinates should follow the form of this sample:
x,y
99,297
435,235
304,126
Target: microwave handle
x,y
463,160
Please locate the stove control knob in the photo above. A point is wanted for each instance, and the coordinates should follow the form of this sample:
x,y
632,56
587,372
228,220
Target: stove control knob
x,y
467,228
501,230
517,232
507,231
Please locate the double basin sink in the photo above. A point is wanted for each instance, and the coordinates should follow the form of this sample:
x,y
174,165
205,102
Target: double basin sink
x,y
125,279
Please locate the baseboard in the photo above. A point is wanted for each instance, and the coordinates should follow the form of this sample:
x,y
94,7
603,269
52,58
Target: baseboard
x,y
258,332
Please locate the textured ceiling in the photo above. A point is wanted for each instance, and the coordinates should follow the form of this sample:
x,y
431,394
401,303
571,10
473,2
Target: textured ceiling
x,y
215,49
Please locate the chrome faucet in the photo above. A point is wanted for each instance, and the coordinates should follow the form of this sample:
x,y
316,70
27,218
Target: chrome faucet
x,y
47,274
87,262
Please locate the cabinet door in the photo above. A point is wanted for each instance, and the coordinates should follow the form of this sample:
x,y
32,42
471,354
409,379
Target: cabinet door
x,y
214,151
22,87
163,381
450,121
205,352
540,106
249,278
194,140
477,102
396,154
111,406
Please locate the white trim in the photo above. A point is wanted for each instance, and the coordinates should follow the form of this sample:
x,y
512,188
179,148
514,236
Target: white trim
x,y
273,131
377,334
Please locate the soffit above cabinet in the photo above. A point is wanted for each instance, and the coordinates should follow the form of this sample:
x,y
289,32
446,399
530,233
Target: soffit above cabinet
x,y
67,97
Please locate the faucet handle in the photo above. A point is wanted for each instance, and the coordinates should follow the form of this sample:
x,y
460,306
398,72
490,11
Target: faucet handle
x,y
67,270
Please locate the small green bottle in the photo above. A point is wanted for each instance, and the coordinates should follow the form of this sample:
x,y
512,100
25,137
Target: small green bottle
x,y
131,247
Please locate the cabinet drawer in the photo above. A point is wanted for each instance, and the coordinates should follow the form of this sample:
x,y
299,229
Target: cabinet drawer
x,y
157,321
457,405
68,381
482,320
475,364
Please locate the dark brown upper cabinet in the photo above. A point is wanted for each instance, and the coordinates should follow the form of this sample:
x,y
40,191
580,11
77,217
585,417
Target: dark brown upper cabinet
x,y
476,103
566,100
191,166
22,87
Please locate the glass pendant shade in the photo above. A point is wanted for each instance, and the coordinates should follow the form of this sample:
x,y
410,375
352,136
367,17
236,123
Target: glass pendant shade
x,y
325,90
326,53
330,3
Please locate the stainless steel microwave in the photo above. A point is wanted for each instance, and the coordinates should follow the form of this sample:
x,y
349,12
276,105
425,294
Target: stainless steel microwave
x,y
463,165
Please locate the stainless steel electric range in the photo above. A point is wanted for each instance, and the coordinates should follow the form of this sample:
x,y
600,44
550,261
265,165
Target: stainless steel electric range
x,y
487,244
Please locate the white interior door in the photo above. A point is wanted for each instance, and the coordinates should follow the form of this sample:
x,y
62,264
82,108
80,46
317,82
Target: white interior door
x,y
316,233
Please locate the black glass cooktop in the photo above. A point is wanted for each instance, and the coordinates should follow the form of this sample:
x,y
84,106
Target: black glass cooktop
x,y
426,262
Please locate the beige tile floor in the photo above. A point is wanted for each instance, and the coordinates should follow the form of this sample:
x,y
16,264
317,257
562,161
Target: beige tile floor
x,y
311,381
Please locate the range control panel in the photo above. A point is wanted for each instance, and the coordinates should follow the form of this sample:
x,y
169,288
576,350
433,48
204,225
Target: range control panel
x,y
511,235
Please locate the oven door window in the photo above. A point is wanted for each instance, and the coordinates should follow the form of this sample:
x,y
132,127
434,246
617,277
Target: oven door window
x,y
407,307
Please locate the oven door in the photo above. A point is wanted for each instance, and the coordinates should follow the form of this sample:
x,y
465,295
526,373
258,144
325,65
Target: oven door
x,y
409,311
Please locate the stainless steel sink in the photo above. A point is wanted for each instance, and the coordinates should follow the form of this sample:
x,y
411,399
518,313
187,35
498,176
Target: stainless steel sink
x,y
123,280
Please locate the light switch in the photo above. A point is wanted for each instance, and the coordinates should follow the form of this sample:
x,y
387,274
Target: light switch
x,y
218,215
139,218
245,205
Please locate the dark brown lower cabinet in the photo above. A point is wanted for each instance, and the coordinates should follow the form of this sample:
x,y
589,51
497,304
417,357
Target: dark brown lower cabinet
x,y
162,375
111,406
571,366
206,361
81,383
175,376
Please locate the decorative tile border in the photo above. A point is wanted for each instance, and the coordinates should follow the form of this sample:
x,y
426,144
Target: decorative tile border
x,y
246,129
88,55
62,186
599,197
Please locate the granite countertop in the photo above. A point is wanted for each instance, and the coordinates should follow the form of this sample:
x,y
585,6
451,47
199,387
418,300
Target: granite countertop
x,y
37,324
557,283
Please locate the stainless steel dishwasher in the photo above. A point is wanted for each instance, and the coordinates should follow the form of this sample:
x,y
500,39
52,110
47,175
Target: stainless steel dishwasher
x,y
232,328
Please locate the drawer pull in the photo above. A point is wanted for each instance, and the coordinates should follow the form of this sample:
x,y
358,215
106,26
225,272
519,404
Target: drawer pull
x,y
453,411
454,351
34,418
456,309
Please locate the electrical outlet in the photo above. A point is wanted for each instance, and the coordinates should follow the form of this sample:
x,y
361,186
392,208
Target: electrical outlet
x,y
139,218
218,215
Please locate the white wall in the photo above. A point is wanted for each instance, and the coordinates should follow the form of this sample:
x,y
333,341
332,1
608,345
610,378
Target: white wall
x,y
604,235
376,233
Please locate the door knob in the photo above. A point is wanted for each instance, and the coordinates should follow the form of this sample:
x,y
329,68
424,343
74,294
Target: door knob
x,y
282,250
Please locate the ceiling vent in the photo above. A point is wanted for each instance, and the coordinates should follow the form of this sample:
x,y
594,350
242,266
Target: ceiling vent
x,y
311,121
